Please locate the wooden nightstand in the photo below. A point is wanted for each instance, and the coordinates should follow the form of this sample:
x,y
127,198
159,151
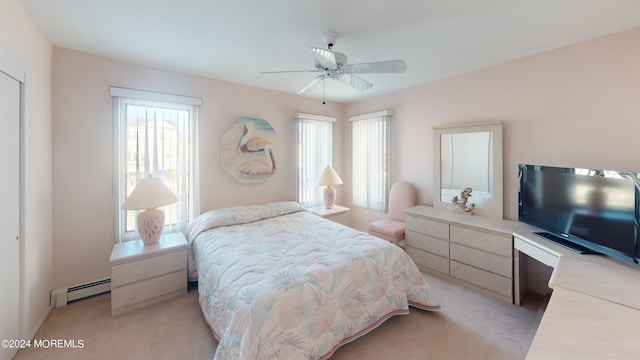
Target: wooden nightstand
x,y
337,213
142,275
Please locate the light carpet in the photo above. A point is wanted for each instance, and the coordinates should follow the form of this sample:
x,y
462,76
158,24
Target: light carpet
x,y
471,325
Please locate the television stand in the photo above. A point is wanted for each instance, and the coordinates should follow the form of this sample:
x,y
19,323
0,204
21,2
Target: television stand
x,y
564,243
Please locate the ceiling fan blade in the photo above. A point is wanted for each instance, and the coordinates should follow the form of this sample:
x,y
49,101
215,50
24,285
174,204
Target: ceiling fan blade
x,y
288,71
312,83
325,58
355,81
391,66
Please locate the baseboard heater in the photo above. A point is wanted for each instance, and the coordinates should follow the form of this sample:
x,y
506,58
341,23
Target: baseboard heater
x,y
63,296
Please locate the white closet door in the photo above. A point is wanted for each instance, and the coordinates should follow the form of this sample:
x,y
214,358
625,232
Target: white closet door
x,y
9,211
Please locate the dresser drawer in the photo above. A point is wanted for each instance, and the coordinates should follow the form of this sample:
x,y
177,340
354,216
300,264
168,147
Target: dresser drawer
x,y
486,241
427,243
143,269
483,260
342,218
490,281
427,227
148,289
427,260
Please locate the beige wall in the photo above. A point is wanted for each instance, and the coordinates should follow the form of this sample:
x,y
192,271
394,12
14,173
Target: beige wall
x,y
24,44
83,155
574,106
577,106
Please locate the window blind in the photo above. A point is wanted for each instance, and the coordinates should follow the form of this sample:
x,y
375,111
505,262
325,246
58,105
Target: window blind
x,y
370,162
155,138
315,151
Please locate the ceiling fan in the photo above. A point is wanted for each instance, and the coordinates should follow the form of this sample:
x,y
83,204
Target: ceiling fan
x,y
333,66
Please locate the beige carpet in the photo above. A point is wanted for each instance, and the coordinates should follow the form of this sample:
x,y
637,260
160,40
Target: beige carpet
x,y
470,325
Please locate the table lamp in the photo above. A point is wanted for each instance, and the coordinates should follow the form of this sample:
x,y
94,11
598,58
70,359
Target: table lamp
x,y
328,178
150,194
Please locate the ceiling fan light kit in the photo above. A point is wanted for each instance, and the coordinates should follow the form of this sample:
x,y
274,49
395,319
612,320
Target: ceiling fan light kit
x,y
333,65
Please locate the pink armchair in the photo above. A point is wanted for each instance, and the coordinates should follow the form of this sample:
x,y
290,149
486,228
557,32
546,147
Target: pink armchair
x,y
402,196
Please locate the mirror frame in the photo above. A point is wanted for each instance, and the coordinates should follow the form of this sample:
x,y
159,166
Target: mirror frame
x,y
492,208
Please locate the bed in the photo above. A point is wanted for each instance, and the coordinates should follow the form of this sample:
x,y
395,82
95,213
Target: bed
x,y
278,282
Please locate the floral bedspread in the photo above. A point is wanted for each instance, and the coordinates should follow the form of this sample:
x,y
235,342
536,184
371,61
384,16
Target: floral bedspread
x,y
278,282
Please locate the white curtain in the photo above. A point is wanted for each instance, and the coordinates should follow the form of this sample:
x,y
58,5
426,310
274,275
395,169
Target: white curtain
x,y
315,152
370,160
156,138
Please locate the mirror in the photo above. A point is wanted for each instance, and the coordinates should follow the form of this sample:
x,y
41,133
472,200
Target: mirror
x,y
469,156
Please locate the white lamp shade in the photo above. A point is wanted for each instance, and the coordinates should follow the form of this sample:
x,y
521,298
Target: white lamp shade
x,y
329,177
150,193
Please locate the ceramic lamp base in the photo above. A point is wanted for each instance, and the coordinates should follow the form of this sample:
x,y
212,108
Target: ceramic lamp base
x,y
150,225
329,196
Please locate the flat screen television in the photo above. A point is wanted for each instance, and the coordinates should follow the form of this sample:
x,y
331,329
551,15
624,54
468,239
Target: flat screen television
x,y
586,210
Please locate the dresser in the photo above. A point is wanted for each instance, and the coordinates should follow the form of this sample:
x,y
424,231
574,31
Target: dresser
x,y
145,274
475,249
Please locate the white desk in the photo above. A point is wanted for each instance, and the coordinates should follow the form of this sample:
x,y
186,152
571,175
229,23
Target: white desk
x,y
594,311
525,242
578,326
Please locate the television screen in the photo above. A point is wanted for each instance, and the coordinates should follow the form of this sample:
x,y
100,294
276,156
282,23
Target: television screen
x,y
594,210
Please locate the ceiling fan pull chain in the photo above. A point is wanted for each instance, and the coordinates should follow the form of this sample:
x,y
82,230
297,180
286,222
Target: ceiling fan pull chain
x,y
323,102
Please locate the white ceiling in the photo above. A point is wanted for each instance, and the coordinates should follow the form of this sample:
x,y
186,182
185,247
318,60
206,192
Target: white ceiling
x,y
234,40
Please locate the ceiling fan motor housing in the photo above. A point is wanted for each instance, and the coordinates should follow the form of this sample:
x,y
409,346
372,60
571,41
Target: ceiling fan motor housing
x,y
329,38
341,60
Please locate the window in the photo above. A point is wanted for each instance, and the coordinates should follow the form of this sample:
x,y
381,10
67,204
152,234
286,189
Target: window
x,y
370,152
155,134
315,152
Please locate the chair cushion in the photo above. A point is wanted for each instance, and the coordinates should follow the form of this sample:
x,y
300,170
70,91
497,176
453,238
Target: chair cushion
x,y
387,229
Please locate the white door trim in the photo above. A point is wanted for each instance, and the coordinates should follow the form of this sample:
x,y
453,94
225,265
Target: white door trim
x,y
15,69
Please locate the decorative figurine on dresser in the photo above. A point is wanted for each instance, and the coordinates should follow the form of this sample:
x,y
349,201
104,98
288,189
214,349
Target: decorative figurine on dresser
x,y
463,200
